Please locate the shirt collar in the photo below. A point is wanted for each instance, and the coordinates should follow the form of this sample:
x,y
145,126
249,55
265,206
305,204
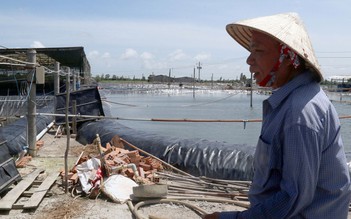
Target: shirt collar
x,y
280,94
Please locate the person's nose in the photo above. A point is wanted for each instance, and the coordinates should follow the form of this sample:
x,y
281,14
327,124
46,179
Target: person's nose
x,y
250,59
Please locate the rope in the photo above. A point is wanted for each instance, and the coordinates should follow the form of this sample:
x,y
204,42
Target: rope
x,y
163,119
214,101
152,119
191,105
123,104
205,120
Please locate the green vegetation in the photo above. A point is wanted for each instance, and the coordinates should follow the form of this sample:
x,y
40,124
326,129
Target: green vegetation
x,y
108,78
243,80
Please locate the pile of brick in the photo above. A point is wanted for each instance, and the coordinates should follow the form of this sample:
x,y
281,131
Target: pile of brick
x,y
115,160
24,158
146,166
23,161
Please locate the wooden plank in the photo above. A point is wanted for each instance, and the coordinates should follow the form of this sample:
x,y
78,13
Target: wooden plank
x,y
12,196
29,194
37,182
18,206
40,192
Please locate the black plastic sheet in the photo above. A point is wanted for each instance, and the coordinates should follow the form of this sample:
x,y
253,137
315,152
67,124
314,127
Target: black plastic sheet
x,y
8,170
15,133
88,102
198,157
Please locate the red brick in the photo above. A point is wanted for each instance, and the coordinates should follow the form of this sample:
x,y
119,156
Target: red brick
x,y
118,161
74,178
129,172
145,166
141,172
133,154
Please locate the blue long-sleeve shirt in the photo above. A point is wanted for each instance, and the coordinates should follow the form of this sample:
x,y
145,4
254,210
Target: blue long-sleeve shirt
x,y
300,164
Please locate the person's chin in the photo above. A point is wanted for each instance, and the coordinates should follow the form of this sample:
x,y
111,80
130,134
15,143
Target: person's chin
x,y
256,75
257,79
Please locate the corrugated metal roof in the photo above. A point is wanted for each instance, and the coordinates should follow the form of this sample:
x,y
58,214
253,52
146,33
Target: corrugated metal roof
x,y
73,57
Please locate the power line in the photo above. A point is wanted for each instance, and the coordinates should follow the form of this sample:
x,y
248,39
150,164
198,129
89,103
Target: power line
x,y
335,52
334,57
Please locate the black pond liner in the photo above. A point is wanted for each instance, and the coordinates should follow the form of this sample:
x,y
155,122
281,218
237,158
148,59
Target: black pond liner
x,y
198,157
15,134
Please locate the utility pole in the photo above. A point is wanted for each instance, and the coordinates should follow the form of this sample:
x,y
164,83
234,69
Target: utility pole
x,y
199,68
31,103
169,79
194,85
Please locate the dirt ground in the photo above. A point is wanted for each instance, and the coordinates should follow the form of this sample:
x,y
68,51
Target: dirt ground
x,y
63,205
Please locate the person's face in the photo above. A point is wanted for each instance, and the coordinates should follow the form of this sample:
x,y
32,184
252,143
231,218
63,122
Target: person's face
x,y
264,54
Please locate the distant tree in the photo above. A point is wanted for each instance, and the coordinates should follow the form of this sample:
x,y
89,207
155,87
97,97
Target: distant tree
x,y
114,77
97,78
107,77
242,77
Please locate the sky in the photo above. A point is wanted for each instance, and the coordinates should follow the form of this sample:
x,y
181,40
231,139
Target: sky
x,y
135,38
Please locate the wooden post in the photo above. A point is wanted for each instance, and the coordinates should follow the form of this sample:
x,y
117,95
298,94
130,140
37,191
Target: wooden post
x,y
67,128
31,104
57,78
74,81
74,119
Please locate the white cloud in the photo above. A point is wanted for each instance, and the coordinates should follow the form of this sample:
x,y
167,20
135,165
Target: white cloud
x,y
201,42
177,55
37,44
129,54
146,56
202,56
152,64
106,55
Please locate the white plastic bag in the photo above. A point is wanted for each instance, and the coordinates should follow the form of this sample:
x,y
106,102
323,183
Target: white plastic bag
x,y
118,188
86,172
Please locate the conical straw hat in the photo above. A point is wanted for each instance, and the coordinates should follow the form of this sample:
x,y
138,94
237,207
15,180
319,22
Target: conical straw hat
x,y
287,28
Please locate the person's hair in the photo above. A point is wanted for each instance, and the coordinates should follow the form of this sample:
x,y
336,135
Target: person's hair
x,y
304,66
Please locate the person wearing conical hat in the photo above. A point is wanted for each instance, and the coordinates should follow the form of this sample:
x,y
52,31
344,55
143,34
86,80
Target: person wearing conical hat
x,y
300,167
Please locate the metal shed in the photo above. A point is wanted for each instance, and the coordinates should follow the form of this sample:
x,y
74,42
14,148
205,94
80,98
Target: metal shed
x,y
73,57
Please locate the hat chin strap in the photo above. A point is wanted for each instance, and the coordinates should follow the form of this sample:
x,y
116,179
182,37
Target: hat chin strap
x,y
285,51
270,78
